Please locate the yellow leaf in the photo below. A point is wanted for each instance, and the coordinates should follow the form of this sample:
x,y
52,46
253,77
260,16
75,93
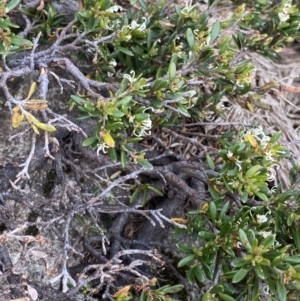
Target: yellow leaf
x,y
123,290
179,220
16,119
250,107
35,129
16,109
31,90
108,139
31,119
251,139
45,127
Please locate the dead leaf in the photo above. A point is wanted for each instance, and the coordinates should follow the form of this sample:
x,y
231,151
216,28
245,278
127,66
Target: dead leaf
x,y
32,292
38,254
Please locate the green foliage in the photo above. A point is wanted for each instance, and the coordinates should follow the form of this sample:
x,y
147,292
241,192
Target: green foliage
x,y
164,71
250,162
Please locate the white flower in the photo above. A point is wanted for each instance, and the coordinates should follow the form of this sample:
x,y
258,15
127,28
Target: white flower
x,y
229,154
265,234
131,78
102,147
238,163
114,9
262,218
269,156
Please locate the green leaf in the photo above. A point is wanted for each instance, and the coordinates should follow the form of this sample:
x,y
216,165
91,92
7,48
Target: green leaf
x,y
143,4
210,162
141,116
259,272
18,41
89,141
134,196
158,192
114,126
253,171
275,137
125,50
244,240
281,290
226,297
225,228
113,154
240,275
224,210
262,196
78,99
173,289
190,37
11,5
172,71
212,210
186,260
199,274
239,262
268,242
292,259
214,31
184,248
80,219
206,234
145,163
123,158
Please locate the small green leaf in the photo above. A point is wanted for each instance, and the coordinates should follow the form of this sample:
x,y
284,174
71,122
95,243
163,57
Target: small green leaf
x,y
239,262
145,163
262,196
123,158
18,41
206,235
114,126
226,297
11,5
134,196
240,275
158,192
141,116
80,219
186,260
125,50
214,31
268,242
259,271
78,99
281,290
172,71
275,137
212,210
113,154
253,171
210,162
190,37
89,141
184,248
199,274
244,240
173,289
